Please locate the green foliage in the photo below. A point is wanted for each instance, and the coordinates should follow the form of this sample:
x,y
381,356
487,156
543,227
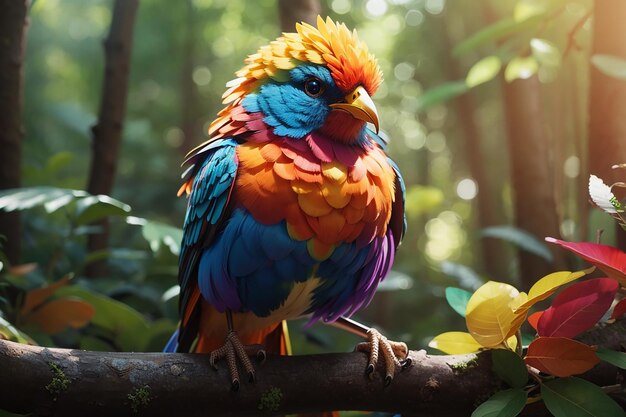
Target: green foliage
x,y
519,238
507,403
442,93
466,276
496,31
613,357
509,367
158,234
575,397
458,298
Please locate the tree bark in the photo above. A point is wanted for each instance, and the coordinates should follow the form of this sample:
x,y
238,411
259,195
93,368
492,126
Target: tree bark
x,y
189,124
13,24
532,178
104,384
296,11
107,133
607,101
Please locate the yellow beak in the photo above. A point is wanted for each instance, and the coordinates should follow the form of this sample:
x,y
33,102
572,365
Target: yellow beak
x,y
360,105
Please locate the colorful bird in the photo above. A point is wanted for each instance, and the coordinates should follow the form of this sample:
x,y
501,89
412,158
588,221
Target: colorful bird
x,y
294,208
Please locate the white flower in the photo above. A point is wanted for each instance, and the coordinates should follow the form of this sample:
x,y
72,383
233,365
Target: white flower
x,y
602,196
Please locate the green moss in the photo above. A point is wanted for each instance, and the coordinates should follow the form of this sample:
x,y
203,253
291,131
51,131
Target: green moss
x,y
139,398
270,399
463,366
60,382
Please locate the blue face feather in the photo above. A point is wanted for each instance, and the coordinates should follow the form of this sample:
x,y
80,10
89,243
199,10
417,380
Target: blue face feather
x,y
288,108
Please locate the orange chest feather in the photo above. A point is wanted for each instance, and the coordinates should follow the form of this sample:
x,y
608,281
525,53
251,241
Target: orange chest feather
x,y
324,203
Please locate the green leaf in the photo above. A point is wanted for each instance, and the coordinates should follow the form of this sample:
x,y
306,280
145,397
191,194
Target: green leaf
x,y
96,207
59,161
610,65
520,68
160,233
124,325
507,403
519,238
29,197
500,29
613,357
575,397
510,367
545,52
9,332
441,93
458,298
484,70
466,276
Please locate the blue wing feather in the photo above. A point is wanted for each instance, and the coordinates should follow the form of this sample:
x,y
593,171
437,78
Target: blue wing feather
x,y
213,171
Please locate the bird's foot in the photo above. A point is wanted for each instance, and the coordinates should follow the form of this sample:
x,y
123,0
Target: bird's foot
x,y
395,354
233,350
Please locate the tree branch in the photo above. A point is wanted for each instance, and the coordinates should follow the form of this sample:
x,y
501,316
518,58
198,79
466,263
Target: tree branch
x,y
48,381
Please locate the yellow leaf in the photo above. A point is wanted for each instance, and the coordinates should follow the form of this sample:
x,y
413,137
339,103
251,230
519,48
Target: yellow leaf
x,y
525,9
520,67
455,343
511,343
484,70
489,315
547,286
61,313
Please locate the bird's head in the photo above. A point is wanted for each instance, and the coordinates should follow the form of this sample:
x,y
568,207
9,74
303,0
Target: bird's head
x,y
317,79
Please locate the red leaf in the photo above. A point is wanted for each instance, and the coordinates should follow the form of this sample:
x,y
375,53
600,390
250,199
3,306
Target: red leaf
x,y
610,260
619,310
560,356
533,319
577,308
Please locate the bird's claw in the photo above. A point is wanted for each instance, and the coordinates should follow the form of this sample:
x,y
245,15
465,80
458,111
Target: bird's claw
x,y
391,351
233,350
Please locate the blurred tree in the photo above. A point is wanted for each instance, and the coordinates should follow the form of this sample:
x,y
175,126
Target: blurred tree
x,y
532,178
607,99
489,208
107,133
13,23
188,96
295,11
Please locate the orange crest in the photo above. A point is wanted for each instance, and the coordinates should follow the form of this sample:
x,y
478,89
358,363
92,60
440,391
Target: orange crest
x,y
330,44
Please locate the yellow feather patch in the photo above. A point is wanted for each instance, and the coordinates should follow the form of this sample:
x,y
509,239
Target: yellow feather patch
x,y
335,171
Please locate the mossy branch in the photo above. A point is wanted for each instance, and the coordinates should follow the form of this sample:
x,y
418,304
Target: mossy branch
x,y
163,384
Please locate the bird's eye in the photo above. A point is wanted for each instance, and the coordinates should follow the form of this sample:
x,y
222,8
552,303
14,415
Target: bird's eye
x,y
314,87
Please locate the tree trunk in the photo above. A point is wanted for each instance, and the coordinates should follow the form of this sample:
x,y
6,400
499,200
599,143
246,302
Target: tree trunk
x,y
13,23
532,178
296,11
188,95
607,101
50,381
488,206
107,133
